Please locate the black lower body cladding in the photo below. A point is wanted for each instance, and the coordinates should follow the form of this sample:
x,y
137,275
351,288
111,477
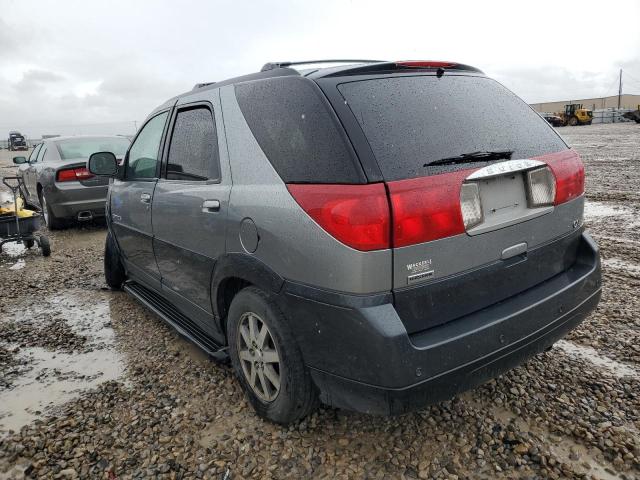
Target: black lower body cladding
x,y
362,358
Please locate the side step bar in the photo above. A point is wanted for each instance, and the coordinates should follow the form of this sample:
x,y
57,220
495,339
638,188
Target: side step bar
x,y
183,325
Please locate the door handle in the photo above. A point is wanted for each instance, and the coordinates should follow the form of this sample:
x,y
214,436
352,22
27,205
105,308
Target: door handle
x,y
145,198
210,206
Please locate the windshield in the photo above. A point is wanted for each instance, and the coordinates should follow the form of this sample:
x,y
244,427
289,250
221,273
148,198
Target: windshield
x,y
413,121
84,147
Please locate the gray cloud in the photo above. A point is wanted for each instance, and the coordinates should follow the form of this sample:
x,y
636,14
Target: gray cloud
x,y
73,66
35,79
12,43
557,83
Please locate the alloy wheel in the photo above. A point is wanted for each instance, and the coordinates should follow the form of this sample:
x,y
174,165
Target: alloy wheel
x,y
259,356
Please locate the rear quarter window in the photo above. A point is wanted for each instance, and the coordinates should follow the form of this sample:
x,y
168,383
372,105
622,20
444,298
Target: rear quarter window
x,y
410,121
298,131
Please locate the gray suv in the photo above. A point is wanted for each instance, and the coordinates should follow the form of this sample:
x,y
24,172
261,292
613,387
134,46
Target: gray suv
x,y
374,236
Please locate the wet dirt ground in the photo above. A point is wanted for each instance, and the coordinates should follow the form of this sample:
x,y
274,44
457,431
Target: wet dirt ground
x,y
92,385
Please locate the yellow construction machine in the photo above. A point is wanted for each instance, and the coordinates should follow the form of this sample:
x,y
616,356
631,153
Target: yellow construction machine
x,y
574,115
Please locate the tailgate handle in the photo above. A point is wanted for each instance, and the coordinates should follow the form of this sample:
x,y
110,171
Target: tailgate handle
x,y
514,250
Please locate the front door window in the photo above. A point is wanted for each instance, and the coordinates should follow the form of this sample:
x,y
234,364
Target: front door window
x,y
144,153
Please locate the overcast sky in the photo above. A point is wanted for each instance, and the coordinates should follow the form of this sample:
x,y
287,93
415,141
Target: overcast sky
x,y
87,66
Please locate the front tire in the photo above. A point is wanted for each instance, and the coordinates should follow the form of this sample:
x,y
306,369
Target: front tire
x,y
267,359
114,273
50,219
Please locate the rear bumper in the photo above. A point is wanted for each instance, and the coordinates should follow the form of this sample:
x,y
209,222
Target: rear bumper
x,y
67,201
362,358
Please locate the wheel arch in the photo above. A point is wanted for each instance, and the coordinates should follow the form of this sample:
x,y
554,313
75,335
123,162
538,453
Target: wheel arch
x,y
232,273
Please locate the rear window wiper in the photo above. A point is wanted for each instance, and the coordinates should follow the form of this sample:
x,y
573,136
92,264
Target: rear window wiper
x,y
472,157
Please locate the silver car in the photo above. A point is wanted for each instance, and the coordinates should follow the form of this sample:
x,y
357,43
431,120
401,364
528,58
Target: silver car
x,y
57,180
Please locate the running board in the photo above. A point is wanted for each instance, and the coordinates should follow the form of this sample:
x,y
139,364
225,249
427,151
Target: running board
x,y
182,324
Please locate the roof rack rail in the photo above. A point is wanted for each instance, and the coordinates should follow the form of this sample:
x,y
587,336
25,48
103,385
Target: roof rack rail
x,y
274,65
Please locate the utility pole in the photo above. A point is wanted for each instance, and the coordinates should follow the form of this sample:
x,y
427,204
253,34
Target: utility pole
x,y
620,89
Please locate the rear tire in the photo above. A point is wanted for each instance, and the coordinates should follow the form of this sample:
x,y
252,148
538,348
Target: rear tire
x,y
52,222
296,396
114,273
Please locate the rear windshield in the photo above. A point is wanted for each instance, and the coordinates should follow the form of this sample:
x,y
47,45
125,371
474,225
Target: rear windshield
x,y
83,148
297,130
412,121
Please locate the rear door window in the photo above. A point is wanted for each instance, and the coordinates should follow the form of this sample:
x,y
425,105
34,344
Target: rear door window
x,y
193,152
412,121
298,131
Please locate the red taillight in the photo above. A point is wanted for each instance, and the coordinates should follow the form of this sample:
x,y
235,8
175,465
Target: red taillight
x,y
69,174
423,209
357,215
569,172
66,175
426,208
424,64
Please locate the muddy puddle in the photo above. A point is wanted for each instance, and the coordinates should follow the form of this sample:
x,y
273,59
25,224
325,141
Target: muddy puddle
x,y
597,359
13,249
619,264
12,256
61,346
600,209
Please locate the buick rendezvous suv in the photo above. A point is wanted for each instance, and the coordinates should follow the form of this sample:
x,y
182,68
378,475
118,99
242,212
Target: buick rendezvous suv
x,y
375,235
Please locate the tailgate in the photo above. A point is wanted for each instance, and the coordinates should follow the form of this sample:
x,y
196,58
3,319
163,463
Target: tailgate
x,y
509,247
486,199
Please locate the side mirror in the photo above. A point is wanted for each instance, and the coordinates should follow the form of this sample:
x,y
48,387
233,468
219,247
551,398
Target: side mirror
x,y
103,164
19,160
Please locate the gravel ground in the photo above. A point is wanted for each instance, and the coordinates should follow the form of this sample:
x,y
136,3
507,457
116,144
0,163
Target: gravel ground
x,y
94,386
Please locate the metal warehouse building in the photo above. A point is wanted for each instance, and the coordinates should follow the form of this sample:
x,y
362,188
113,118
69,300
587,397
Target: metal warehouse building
x,y
626,102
